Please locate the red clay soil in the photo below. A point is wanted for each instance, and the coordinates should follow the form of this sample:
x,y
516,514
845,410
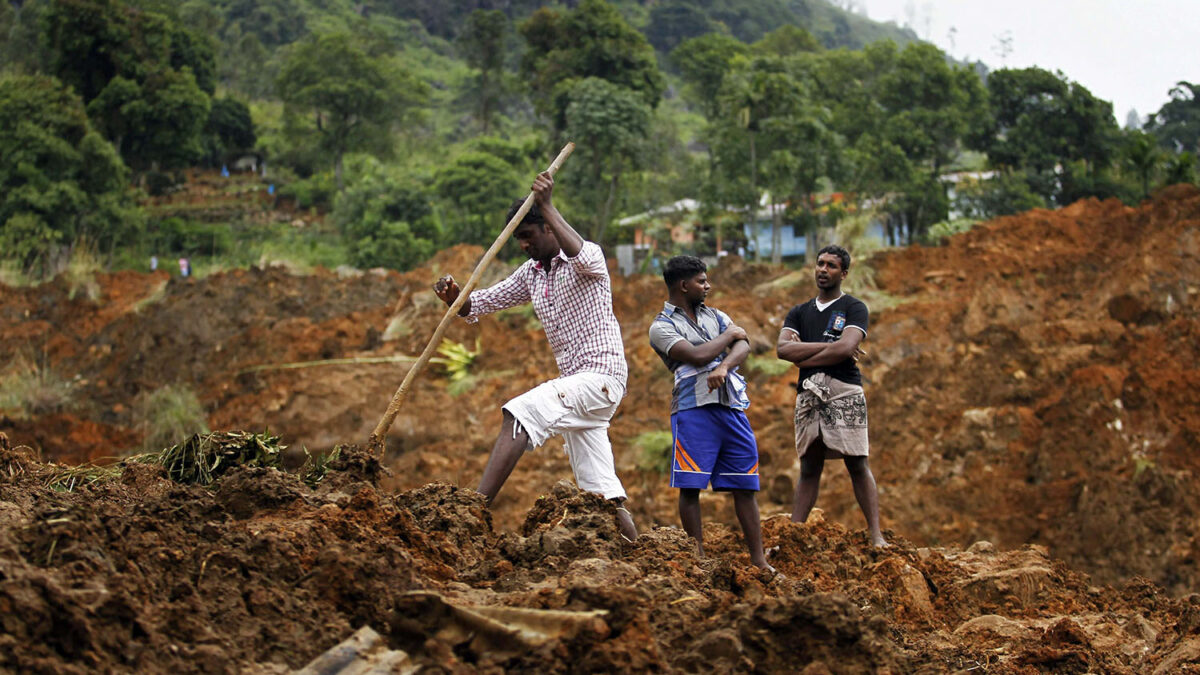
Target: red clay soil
x,y
260,573
1032,387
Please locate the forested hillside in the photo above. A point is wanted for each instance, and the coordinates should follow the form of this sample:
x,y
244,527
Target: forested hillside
x,y
375,133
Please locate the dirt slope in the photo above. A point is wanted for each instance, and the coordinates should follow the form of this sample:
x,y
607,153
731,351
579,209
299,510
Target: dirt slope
x,y
1033,382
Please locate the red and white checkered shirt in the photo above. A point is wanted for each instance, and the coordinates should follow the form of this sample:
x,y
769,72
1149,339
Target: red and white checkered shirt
x,y
574,303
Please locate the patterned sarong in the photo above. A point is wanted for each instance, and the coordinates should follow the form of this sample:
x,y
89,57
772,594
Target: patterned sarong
x,y
833,411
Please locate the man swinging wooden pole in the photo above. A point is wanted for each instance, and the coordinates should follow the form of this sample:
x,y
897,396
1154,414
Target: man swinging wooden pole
x,y
376,442
566,280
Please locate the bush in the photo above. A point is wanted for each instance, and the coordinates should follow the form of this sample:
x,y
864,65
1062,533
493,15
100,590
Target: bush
x,y
317,190
939,232
654,451
1002,195
81,271
29,390
189,238
169,415
386,219
767,365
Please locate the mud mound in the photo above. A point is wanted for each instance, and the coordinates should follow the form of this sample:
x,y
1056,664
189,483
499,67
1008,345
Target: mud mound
x,y
1039,385
259,573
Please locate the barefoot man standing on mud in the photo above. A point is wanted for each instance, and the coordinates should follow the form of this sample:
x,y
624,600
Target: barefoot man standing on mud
x,y
566,279
822,336
713,440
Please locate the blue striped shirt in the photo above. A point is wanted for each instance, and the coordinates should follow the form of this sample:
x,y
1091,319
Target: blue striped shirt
x,y
691,382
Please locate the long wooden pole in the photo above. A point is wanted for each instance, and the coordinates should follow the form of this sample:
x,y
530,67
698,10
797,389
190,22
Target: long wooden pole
x,y
380,434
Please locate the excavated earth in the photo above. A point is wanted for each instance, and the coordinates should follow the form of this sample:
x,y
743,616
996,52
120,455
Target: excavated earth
x,y
1033,390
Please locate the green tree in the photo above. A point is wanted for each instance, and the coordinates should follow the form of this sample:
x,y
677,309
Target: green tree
x,y
157,122
704,62
787,40
477,188
676,21
611,125
60,181
1142,156
352,98
1177,123
229,129
929,109
593,40
1004,194
145,79
1044,125
482,45
386,218
21,50
1181,168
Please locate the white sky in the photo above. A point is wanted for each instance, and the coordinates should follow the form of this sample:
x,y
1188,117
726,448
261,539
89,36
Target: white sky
x,y
1129,52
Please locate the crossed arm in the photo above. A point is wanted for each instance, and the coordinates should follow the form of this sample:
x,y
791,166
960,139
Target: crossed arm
x,y
813,354
733,339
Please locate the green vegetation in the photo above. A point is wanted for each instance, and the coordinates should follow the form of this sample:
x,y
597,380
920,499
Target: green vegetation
x,y
200,460
767,365
394,130
456,358
654,451
30,389
168,414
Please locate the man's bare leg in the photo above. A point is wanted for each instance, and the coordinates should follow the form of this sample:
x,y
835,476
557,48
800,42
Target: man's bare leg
x,y
867,495
805,497
746,507
505,454
689,515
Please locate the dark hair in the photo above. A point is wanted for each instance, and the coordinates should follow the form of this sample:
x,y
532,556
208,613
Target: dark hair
x,y
682,267
839,252
534,217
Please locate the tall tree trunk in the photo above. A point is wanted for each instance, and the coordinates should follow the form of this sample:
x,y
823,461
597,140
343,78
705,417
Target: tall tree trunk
x,y
485,112
776,233
810,237
606,209
754,204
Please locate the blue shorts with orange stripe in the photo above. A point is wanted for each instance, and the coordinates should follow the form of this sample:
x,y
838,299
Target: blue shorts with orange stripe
x,y
716,443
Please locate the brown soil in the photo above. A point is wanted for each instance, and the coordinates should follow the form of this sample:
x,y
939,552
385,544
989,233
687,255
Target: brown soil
x,y
1033,384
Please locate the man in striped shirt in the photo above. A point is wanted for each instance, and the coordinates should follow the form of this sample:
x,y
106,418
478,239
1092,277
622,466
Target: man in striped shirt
x,y
566,279
713,440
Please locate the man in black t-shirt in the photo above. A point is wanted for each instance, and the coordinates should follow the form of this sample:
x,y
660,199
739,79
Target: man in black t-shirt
x,y
822,337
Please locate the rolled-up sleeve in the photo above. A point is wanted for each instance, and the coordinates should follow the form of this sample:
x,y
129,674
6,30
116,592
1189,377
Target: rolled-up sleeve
x,y
510,292
590,261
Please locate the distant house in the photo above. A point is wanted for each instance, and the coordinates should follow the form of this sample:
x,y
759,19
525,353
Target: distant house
x,y
249,161
794,243
680,219
680,222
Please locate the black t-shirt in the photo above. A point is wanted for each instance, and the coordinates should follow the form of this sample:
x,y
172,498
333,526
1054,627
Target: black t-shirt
x,y
827,326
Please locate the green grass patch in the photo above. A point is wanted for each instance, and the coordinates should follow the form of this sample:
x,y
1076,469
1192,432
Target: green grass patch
x,y
654,451
168,414
81,271
30,389
767,365
13,275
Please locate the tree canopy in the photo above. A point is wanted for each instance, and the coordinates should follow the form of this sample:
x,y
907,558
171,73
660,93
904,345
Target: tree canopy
x,y
60,181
